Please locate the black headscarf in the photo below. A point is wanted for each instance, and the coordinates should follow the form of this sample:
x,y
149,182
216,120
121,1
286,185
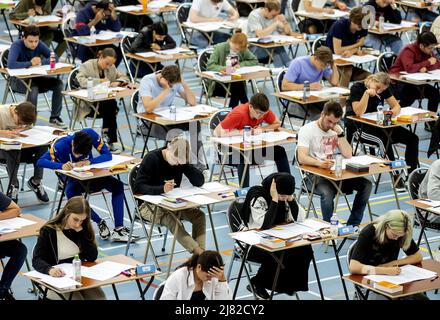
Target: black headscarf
x,y
285,183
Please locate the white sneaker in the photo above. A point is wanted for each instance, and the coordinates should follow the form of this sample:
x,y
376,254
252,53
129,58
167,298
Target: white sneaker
x,y
123,234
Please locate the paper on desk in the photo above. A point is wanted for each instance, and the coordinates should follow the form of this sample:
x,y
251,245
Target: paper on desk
x,y
409,273
431,203
422,76
208,26
357,59
172,51
251,237
47,19
228,140
315,225
60,283
288,231
274,136
106,270
184,192
148,54
180,115
26,72
152,199
129,8
201,108
116,159
215,187
157,4
251,69
5,230
403,24
325,91
409,111
201,199
364,160
34,136
68,269
337,14
16,223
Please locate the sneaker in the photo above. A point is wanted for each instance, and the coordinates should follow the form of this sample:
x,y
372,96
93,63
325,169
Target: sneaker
x,y
113,148
260,292
39,190
122,235
58,122
104,231
13,193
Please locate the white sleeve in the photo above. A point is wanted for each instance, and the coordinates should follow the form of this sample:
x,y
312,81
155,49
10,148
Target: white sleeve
x,y
301,213
226,6
197,5
171,289
258,212
304,137
222,291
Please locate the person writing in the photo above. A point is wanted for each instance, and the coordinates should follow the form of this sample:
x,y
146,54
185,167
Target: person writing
x,y
202,277
69,234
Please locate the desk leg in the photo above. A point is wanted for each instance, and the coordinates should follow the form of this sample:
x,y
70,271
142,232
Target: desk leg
x,y
115,291
143,292
7,25
151,231
246,167
318,279
340,269
422,230
94,116
63,192
315,178
394,183
170,261
222,168
146,139
277,273
212,227
243,262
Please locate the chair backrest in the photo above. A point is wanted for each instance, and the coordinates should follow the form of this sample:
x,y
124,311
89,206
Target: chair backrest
x,y
182,13
235,220
216,118
280,77
425,27
132,175
414,180
68,26
126,48
202,60
72,81
349,252
319,42
4,58
134,101
158,292
385,61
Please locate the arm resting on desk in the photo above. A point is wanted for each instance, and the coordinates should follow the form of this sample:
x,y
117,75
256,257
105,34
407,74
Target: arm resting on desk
x,y
11,211
339,49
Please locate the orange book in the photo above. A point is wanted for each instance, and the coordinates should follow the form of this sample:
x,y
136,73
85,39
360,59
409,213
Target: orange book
x,y
388,286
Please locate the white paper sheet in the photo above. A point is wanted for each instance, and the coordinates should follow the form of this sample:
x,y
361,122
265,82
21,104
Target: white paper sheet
x,y
68,269
251,237
116,159
201,108
315,225
5,230
288,231
409,273
422,76
275,136
335,15
184,192
157,4
228,140
357,59
16,223
106,270
298,94
251,69
393,26
152,199
129,8
35,136
215,187
411,111
431,203
180,115
207,26
47,18
43,70
148,54
201,199
60,283
364,160
172,51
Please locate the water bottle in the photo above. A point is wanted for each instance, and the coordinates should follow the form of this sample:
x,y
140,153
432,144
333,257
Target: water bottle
x,y
52,60
92,32
228,65
381,23
379,120
173,112
76,264
90,88
334,222
306,90
387,115
338,165
247,132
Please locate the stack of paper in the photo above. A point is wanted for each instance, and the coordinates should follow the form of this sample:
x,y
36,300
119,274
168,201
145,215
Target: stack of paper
x,y
252,69
364,160
394,26
148,54
323,93
116,159
61,283
157,4
422,76
356,59
173,51
46,19
105,270
13,224
409,273
209,26
294,229
129,8
406,111
43,70
215,187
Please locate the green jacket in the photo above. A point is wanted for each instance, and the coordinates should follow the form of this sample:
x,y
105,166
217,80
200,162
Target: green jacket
x,y
20,11
217,61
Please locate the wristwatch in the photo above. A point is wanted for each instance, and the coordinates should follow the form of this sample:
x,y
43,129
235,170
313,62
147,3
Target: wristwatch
x,y
341,135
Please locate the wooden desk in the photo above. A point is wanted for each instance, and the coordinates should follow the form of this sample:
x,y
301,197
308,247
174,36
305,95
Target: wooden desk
x,y
216,198
88,283
208,34
410,5
247,150
398,31
246,247
408,288
94,47
153,61
271,46
27,231
168,8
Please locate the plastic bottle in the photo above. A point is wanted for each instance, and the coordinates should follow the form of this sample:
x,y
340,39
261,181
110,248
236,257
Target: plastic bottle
x,y
90,88
228,65
247,132
306,90
92,33
173,112
381,24
76,264
338,165
334,222
144,6
52,60
379,119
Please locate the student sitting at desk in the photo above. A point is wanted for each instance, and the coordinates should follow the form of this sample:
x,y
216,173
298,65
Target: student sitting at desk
x,y
417,57
235,48
210,11
69,234
346,37
151,38
266,206
14,249
318,142
364,98
430,189
161,171
253,114
312,69
30,52
313,26
389,11
101,16
75,150
132,21
377,249
158,90
14,119
202,277
32,8
268,21
102,70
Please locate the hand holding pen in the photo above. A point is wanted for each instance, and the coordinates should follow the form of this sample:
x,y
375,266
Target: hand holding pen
x,y
169,185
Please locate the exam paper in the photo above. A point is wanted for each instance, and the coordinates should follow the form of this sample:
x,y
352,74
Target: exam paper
x,y
201,199
251,237
60,283
152,199
181,114
116,159
409,273
16,223
148,54
172,51
129,8
47,18
288,231
215,187
364,160
184,192
157,4
251,69
357,59
106,270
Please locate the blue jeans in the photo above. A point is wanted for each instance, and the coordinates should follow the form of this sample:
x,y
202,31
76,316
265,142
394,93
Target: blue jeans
x,y
381,42
280,56
327,191
110,184
16,251
42,85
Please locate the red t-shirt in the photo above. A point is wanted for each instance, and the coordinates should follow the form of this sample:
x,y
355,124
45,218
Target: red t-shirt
x,y
239,117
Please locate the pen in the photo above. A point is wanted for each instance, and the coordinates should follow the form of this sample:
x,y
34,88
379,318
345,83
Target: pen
x,y
170,181
435,278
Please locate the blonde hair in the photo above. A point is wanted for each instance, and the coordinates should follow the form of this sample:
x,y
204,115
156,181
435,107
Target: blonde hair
x,y
179,147
240,39
380,77
398,221
272,5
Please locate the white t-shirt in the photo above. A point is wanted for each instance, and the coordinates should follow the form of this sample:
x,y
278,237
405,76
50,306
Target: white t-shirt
x,y
319,142
6,119
208,9
315,3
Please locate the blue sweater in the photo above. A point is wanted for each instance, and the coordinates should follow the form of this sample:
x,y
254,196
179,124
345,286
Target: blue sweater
x,y
61,152
86,14
20,56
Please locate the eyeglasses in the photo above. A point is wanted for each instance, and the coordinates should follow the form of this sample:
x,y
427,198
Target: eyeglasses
x,y
258,112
